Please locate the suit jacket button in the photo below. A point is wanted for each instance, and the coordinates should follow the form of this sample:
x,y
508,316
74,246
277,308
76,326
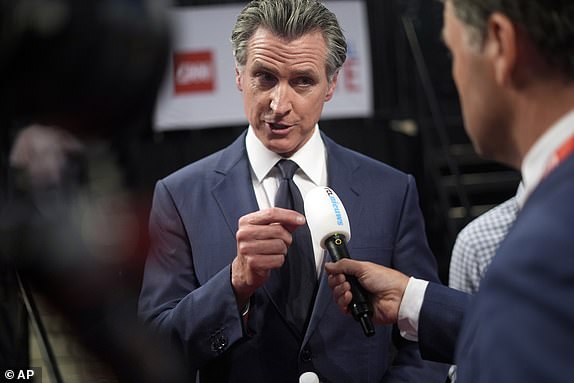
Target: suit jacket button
x,y
219,342
306,355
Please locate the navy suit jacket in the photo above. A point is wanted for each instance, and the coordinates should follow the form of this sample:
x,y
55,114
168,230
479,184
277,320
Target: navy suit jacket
x,y
187,292
520,325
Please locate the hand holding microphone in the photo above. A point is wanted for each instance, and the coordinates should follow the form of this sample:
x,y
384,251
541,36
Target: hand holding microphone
x,y
328,221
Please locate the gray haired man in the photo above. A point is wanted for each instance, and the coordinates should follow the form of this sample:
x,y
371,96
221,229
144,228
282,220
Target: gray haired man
x,y
233,277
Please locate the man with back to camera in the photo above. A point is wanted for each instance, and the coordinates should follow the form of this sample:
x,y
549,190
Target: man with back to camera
x,y
514,70
218,276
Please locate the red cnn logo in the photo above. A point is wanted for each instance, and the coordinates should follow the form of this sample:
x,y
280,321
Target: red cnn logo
x,y
193,72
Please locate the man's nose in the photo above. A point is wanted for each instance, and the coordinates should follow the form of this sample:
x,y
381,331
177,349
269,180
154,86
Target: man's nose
x,y
281,100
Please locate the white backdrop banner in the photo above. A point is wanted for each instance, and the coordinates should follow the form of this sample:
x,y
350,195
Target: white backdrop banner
x,y
199,87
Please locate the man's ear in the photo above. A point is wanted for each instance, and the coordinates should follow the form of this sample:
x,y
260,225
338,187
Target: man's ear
x,y
501,46
332,86
238,79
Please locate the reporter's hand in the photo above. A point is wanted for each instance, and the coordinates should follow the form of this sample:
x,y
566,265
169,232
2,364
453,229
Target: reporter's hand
x,y
262,241
386,286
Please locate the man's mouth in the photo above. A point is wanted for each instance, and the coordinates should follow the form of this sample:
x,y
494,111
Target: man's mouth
x,y
278,126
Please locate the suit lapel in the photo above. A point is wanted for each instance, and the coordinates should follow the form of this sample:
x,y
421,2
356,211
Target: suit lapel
x,y
341,168
234,191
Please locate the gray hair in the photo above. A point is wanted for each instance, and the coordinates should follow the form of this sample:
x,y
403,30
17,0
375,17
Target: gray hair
x,y
549,23
290,19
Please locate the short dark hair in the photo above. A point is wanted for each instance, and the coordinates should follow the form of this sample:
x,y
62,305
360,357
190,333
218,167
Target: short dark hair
x,y
549,23
290,19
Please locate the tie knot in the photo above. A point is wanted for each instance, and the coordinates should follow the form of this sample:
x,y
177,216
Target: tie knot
x,y
287,168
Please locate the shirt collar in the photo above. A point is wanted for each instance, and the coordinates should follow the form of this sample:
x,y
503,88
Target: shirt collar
x,y
311,157
537,159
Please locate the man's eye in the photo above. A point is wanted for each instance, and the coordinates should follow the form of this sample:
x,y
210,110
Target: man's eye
x,y
303,81
265,78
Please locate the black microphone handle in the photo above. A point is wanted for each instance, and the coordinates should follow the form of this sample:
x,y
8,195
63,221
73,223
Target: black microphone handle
x,y
360,305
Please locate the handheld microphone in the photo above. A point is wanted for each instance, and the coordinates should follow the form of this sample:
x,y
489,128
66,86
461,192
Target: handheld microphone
x,y
329,223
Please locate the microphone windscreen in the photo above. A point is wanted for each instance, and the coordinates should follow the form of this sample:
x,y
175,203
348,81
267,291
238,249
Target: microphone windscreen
x,y
326,214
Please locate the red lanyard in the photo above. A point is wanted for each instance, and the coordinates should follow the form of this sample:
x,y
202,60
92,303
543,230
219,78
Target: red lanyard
x,y
565,150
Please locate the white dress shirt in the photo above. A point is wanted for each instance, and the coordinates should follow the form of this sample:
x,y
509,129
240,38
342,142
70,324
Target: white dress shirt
x,y
533,170
312,172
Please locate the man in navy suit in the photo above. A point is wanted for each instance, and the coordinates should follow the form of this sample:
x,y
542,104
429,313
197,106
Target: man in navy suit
x,y
212,280
513,63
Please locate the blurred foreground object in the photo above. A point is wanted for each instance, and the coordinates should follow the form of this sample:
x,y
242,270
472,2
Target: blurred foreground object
x,y
42,153
71,229
84,65
80,71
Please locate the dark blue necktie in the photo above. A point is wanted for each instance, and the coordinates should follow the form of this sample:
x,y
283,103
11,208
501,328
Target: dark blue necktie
x,y
298,275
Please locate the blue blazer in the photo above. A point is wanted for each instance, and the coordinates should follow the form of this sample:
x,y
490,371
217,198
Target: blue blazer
x,y
520,325
187,293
